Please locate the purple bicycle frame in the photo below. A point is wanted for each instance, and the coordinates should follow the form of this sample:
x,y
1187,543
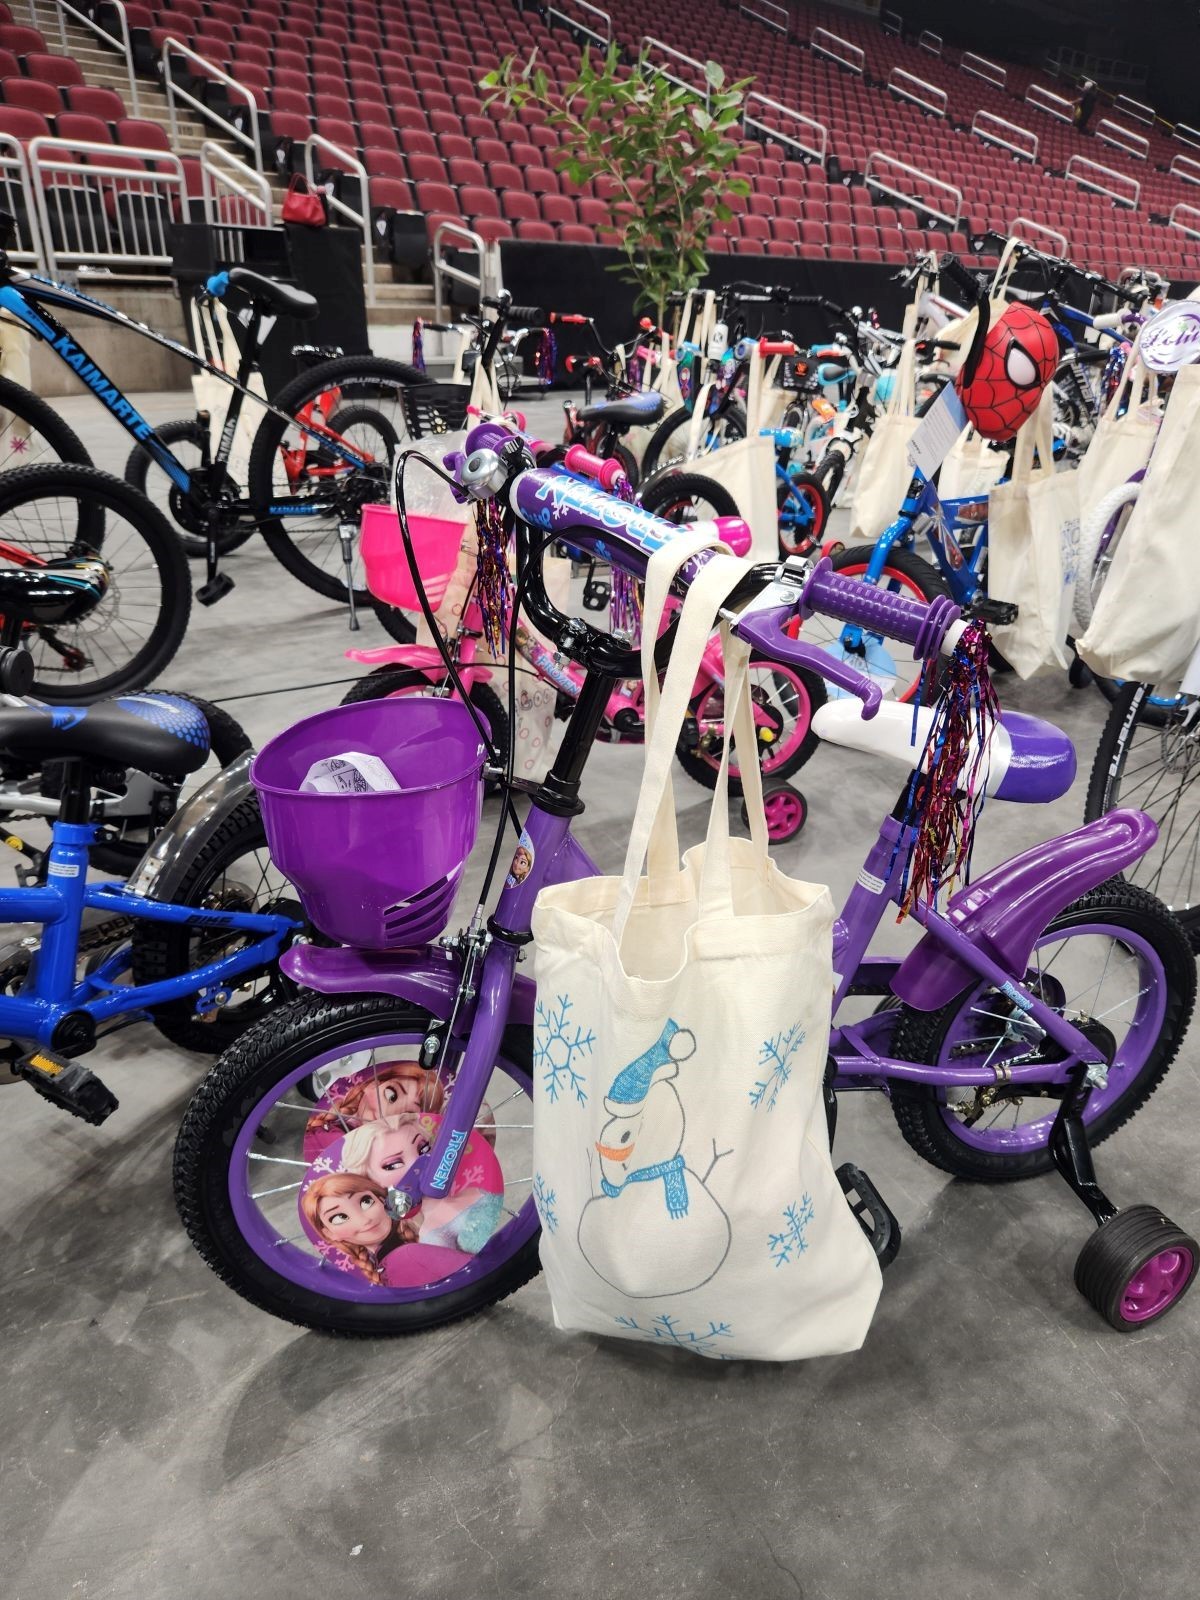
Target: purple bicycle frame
x,y
986,932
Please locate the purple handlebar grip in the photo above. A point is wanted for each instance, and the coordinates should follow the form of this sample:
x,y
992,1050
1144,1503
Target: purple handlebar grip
x,y
865,605
764,630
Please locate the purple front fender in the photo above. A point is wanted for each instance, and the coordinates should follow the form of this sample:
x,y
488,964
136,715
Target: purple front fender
x,y
1004,912
427,976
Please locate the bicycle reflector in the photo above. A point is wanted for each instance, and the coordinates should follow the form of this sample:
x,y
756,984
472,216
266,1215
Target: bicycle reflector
x,y
1016,362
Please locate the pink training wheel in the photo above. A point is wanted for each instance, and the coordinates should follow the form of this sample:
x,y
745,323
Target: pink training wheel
x,y
1135,1267
786,809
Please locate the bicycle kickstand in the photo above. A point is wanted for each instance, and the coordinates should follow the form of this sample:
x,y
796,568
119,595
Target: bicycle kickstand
x,y
346,531
217,584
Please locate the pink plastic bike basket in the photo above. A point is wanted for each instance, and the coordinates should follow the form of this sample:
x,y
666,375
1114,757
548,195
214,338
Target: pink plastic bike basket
x,y
381,870
436,543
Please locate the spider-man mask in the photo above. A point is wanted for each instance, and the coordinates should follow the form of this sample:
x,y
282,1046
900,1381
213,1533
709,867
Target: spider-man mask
x,y
1019,355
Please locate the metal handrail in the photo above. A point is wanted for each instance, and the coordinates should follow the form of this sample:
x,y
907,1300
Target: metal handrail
x,y
986,126
835,48
1184,167
1173,219
891,22
14,158
1133,144
924,93
1072,172
360,219
981,67
780,22
165,178
605,38
649,42
1188,135
927,40
1137,109
907,197
1054,105
221,170
251,140
1039,227
816,149
442,266
63,9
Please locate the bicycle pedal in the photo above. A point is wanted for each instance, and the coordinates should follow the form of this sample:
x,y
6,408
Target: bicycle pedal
x,y
996,613
215,589
68,1084
875,1217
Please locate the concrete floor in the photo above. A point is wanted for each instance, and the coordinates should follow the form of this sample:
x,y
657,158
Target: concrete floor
x,y
994,1439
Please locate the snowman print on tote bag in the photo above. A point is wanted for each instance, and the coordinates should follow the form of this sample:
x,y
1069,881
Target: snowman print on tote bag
x,y
654,1228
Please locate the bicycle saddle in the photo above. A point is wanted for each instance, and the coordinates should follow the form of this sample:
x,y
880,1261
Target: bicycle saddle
x,y
159,733
640,409
281,298
61,591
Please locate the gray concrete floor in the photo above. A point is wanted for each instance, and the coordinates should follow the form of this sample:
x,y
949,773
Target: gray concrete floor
x,y
993,1439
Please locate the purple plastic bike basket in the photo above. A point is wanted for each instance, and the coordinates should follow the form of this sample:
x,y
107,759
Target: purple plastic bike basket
x,y
378,871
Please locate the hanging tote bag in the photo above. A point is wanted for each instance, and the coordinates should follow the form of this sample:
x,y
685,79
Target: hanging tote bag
x,y
681,1158
1033,536
1146,624
971,468
1121,444
746,467
886,472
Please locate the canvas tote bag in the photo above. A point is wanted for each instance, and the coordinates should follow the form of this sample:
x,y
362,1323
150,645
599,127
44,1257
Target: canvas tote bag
x,y
971,468
746,467
1033,536
1146,624
1121,445
886,472
681,1159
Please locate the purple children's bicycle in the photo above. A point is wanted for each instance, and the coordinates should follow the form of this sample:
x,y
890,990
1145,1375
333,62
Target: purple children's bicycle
x,y
361,1160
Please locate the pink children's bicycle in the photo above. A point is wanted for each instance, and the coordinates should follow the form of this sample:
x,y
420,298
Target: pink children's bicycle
x,y
785,697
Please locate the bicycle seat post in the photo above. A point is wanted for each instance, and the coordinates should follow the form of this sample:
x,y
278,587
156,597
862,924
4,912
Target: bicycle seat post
x,y
75,796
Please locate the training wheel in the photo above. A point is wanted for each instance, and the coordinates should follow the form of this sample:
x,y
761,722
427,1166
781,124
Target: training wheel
x,y
787,812
1135,1267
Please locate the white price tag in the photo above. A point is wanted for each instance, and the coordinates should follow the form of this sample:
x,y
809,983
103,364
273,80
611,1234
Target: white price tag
x,y
938,431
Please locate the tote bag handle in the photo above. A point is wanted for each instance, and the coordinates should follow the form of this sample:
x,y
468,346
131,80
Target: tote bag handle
x,y
1039,431
1132,378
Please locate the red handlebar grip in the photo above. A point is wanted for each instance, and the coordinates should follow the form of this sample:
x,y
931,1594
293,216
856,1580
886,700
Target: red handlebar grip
x,y
574,319
605,472
570,363
776,347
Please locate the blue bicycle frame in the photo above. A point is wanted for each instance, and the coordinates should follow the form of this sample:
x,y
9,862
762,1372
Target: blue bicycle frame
x,y
52,990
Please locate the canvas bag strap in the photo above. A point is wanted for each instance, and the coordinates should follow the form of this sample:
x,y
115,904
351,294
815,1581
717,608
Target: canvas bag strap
x,y
1037,431
754,393
903,397
716,877
1130,387
704,599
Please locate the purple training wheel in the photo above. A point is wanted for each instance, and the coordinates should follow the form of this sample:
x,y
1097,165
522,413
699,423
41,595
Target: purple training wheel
x,y
1157,1285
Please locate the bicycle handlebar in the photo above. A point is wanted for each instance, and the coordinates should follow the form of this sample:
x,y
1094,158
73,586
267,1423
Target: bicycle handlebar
x,y
605,470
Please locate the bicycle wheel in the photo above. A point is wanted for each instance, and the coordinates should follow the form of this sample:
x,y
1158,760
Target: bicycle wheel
x,y
289,466
785,700
803,513
686,497
1099,535
669,441
1119,968
387,681
284,1097
32,433
904,573
1148,757
233,871
187,441
68,512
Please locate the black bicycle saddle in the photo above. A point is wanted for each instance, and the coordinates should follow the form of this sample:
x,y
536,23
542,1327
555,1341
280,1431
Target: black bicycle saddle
x,y
640,409
160,733
281,298
61,591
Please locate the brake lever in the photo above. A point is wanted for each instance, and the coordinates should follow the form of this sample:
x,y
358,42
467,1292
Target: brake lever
x,y
762,629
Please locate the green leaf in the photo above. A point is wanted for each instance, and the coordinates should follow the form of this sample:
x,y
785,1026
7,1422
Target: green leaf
x,y
714,74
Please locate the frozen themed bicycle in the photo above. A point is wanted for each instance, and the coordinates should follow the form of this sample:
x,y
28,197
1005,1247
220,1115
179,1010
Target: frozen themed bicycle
x,y
361,1161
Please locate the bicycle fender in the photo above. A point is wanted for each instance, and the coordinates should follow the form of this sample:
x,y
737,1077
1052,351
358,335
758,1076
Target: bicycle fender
x,y
159,874
1004,912
427,976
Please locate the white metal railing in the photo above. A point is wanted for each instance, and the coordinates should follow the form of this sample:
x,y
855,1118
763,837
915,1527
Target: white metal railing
x,y
809,135
930,41
80,229
1022,142
596,24
174,49
700,87
1192,227
1184,167
895,174
118,41
921,93
1118,186
981,67
1188,135
1107,69
17,190
834,48
1054,105
768,13
484,282
1135,109
1022,227
361,220
1133,144
231,190
891,22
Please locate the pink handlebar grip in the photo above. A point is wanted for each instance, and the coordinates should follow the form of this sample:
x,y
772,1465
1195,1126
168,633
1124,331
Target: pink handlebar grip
x,y
604,471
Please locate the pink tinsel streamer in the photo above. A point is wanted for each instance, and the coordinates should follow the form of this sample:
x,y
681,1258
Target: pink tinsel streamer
x,y
492,530
418,345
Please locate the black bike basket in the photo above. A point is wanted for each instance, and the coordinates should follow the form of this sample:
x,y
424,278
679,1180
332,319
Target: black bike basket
x,y
433,408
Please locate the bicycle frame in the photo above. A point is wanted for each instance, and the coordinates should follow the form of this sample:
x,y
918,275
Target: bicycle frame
x,y
924,512
52,992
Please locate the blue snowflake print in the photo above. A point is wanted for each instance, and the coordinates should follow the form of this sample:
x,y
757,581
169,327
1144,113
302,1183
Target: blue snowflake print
x,y
775,1059
792,1242
556,1050
546,1202
665,1330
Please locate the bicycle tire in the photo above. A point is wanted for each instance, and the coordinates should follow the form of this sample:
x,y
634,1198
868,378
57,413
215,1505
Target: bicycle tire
x,y
671,489
97,491
370,372
1097,533
62,439
702,768
184,430
732,417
